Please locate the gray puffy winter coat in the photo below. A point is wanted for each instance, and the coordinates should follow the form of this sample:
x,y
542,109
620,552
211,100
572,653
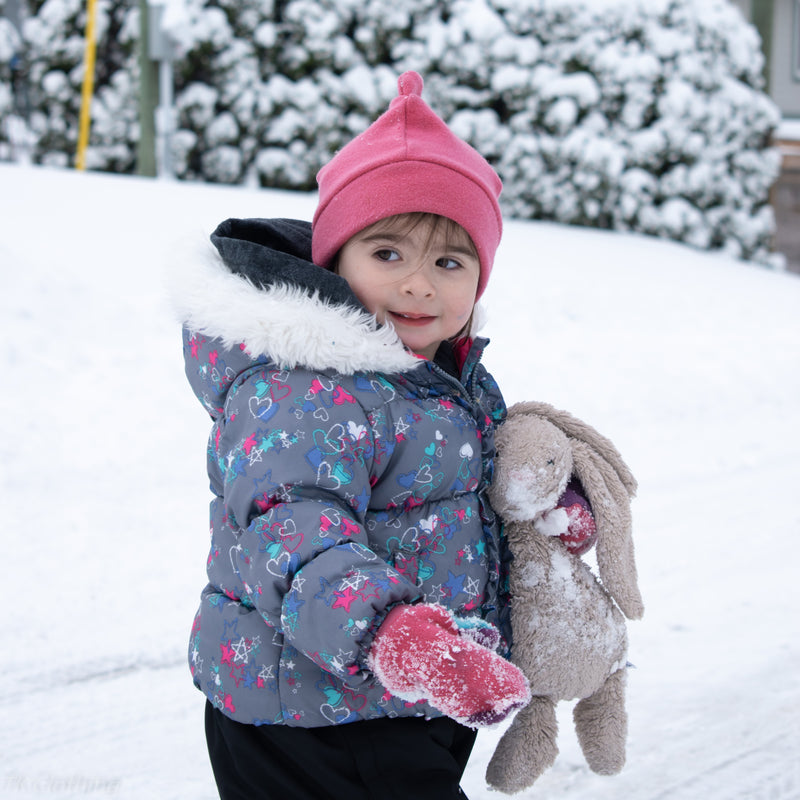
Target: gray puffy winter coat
x,y
348,475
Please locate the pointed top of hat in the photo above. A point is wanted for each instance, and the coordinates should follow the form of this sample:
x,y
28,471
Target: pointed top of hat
x,y
410,83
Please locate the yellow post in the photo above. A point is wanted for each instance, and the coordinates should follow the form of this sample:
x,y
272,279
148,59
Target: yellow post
x,y
88,85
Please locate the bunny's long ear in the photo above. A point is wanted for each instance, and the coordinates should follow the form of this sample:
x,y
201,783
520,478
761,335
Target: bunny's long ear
x,y
610,498
579,430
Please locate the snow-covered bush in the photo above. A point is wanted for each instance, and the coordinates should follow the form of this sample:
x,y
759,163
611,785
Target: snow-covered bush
x,y
300,79
212,72
54,43
648,117
10,119
641,115
114,131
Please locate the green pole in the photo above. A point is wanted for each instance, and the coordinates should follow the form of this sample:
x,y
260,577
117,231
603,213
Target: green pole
x,y
763,14
148,99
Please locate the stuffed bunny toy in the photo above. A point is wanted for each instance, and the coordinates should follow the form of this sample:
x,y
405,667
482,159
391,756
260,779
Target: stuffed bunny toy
x,y
569,631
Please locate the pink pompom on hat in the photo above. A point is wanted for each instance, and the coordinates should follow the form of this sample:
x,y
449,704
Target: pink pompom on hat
x,y
407,161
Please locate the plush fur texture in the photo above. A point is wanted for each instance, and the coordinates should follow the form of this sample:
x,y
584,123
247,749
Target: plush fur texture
x,y
570,635
290,324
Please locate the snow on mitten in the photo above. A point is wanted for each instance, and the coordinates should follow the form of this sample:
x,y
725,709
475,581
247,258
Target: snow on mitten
x,y
571,520
419,654
581,533
479,631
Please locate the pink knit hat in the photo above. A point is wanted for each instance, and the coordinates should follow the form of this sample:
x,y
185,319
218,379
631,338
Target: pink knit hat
x,y
408,160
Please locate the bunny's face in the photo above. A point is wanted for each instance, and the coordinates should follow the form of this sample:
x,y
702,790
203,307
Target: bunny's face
x,y
533,468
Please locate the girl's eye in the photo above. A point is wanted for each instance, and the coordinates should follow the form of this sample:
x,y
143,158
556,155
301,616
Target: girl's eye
x,y
386,254
448,263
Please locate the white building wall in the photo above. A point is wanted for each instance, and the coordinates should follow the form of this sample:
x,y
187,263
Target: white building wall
x,y
785,62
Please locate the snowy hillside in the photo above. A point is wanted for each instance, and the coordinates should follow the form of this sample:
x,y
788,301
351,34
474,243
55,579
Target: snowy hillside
x,y
689,362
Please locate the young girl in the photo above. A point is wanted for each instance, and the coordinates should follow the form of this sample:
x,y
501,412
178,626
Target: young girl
x,y
354,630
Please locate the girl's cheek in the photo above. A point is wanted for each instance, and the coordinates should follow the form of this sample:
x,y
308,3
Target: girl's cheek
x,y
465,314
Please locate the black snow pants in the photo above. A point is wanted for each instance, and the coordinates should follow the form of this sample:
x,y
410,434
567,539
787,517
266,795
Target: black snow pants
x,y
384,759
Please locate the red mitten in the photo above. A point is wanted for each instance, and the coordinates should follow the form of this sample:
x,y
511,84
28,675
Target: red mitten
x,y
419,654
581,533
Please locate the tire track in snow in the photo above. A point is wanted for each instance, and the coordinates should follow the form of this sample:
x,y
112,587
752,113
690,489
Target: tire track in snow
x,y
734,742
24,685
769,771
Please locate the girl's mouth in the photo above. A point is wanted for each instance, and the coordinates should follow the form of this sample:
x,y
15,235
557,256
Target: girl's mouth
x,y
411,319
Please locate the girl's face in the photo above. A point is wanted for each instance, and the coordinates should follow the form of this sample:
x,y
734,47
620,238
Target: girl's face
x,y
422,278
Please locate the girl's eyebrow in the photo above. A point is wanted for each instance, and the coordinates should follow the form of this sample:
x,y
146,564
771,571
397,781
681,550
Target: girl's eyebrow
x,y
382,237
460,250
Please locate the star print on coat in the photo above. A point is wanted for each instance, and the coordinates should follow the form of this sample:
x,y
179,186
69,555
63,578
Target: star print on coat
x,y
336,495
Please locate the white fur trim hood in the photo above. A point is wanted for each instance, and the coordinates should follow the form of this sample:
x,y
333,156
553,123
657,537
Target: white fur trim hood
x,y
294,326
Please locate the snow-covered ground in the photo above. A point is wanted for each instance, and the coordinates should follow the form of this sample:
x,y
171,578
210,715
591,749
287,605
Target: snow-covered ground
x,y
689,361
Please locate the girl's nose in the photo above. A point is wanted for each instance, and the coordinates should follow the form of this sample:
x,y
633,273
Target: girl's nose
x,y
418,283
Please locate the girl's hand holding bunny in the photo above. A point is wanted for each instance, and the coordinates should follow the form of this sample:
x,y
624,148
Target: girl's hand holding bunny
x,y
419,653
